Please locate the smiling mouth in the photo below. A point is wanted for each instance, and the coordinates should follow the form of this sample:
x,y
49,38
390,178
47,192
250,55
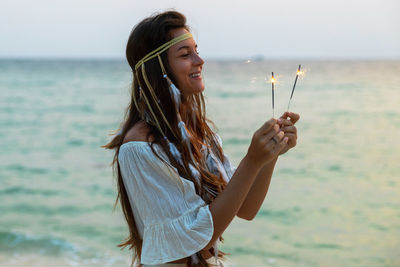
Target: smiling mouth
x,y
195,75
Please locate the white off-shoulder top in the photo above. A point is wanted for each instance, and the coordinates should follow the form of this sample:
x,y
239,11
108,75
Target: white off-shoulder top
x,y
173,221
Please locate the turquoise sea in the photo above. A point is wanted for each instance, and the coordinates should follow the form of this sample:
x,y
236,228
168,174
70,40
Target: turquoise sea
x,y
334,200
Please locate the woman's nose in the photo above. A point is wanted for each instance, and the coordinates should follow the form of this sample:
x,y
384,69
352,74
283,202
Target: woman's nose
x,y
198,60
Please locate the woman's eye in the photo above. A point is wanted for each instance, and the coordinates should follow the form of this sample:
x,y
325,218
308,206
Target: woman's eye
x,y
188,54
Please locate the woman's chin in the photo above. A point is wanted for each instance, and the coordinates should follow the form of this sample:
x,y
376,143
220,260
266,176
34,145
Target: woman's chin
x,y
200,90
196,89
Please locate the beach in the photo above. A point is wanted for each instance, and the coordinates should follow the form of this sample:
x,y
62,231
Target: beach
x,y
333,199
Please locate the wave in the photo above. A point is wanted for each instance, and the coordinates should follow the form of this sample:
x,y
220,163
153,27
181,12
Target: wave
x,y
25,169
286,216
19,249
65,210
46,245
23,190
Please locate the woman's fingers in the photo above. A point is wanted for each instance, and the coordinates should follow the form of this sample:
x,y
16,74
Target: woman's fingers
x,y
292,139
279,146
274,139
294,117
289,129
267,126
271,133
284,122
268,141
261,148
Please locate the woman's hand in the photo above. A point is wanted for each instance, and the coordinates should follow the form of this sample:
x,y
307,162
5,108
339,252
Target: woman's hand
x,y
290,131
267,143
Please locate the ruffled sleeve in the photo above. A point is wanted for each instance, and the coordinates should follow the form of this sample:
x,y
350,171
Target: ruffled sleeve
x,y
176,221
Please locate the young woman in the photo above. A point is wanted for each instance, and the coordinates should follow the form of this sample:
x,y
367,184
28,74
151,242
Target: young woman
x,y
176,187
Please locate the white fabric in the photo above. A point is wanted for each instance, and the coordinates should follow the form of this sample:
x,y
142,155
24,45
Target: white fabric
x,y
173,221
212,262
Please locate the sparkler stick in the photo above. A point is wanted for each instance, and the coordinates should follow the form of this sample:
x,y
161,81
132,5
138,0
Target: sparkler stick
x,y
294,86
273,89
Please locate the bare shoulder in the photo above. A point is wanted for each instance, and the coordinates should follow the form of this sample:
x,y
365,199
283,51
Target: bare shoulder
x,y
137,133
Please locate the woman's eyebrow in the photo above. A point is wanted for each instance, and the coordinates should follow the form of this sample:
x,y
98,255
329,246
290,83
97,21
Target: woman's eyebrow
x,y
185,46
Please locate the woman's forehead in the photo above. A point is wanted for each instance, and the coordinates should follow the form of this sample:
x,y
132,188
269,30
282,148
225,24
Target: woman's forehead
x,y
190,42
178,32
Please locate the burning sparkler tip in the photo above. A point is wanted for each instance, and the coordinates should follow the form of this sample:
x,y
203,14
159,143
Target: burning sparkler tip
x,y
273,78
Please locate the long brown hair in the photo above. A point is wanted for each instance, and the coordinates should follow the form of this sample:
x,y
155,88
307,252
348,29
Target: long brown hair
x,y
145,37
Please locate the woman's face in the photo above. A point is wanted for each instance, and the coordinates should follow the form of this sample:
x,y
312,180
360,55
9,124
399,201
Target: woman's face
x,y
186,64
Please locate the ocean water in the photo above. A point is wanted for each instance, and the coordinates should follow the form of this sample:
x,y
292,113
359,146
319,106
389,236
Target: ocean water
x,y
334,200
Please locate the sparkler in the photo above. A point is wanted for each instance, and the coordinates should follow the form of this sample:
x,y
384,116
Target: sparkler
x,y
298,73
273,89
273,80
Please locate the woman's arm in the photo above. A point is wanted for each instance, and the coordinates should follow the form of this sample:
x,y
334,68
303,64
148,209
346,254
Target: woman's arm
x,y
259,189
227,204
257,193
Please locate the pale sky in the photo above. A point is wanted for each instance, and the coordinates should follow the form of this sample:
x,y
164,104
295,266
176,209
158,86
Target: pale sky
x,y
279,29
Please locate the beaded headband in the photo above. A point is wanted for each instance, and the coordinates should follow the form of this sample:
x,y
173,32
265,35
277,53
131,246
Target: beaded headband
x,y
156,52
